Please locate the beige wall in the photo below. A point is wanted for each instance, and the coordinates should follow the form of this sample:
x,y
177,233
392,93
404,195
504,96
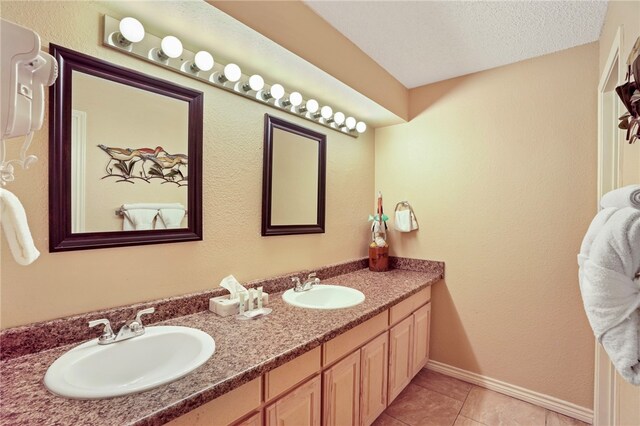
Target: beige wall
x,y
625,14
72,282
500,167
121,116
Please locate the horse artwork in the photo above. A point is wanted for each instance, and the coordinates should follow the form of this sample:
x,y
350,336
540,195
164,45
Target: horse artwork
x,y
146,164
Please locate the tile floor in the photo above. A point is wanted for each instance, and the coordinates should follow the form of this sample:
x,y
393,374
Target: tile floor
x,y
433,399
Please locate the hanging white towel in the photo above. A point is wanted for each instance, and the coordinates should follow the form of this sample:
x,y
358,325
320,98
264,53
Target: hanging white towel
x,y
403,221
627,196
170,218
611,291
405,218
138,219
16,229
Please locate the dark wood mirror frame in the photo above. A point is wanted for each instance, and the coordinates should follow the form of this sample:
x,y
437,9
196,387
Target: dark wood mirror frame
x,y
61,237
271,123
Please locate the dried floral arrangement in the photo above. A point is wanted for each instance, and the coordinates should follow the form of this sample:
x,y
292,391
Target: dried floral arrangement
x,y
629,93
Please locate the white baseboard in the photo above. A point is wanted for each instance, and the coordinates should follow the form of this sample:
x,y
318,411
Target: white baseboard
x,y
554,404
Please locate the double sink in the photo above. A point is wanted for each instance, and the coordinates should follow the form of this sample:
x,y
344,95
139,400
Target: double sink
x,y
160,354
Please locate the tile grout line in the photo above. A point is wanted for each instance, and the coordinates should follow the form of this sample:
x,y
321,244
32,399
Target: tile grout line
x,y
385,412
446,396
465,401
438,392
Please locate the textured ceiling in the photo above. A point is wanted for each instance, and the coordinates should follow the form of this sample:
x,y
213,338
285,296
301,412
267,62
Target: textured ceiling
x,y
421,42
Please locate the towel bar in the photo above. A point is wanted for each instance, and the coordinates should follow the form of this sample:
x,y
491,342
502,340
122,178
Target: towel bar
x,y
120,211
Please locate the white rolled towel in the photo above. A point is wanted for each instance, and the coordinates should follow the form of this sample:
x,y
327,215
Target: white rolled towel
x,y
170,218
16,229
138,219
596,226
611,291
627,196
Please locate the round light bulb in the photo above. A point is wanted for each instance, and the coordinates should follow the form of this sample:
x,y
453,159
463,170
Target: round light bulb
x,y
361,127
295,98
277,91
171,46
326,112
312,106
232,72
204,61
131,29
256,82
338,118
351,123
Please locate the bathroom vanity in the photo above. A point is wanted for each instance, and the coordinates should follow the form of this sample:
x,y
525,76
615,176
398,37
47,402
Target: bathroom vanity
x,y
348,380
295,366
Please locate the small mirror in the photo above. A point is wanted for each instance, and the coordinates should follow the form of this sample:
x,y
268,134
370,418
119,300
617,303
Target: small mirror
x,y
125,157
293,191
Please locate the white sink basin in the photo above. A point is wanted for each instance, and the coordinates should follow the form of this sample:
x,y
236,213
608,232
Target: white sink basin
x,y
161,355
324,296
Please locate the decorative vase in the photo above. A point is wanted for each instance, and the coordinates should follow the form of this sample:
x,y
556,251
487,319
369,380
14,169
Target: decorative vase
x,y
379,259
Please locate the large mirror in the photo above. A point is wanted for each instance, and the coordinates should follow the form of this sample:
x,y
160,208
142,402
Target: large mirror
x,y
125,157
293,191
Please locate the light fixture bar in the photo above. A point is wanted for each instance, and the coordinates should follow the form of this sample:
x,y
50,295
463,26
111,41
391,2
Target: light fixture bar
x,y
150,49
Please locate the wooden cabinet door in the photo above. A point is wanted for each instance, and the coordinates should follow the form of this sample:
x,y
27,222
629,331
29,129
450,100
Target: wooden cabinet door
x,y
342,392
400,357
299,408
421,325
374,363
255,420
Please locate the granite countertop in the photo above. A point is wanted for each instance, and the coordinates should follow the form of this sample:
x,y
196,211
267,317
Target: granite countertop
x,y
244,350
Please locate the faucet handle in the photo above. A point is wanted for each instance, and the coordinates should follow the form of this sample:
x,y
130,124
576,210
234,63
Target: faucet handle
x,y
311,276
297,283
107,333
143,312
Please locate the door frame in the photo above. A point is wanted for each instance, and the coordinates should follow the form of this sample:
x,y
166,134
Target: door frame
x,y
605,389
613,59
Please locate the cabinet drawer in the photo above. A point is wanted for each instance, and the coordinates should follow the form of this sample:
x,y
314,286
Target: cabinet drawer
x,y
290,374
410,304
226,408
351,340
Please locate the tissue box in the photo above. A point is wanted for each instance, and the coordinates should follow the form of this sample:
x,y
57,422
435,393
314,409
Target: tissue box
x,y
225,307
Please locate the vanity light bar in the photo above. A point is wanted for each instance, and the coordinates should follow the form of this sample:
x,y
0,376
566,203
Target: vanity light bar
x,y
128,36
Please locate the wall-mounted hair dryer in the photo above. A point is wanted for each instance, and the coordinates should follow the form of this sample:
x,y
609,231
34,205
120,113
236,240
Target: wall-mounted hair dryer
x,y
25,71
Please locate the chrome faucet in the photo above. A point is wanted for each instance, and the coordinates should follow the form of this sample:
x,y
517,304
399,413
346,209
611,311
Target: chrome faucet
x,y
131,328
307,285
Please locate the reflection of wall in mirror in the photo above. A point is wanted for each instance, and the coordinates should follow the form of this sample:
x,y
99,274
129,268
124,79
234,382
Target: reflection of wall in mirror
x,y
126,117
294,186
